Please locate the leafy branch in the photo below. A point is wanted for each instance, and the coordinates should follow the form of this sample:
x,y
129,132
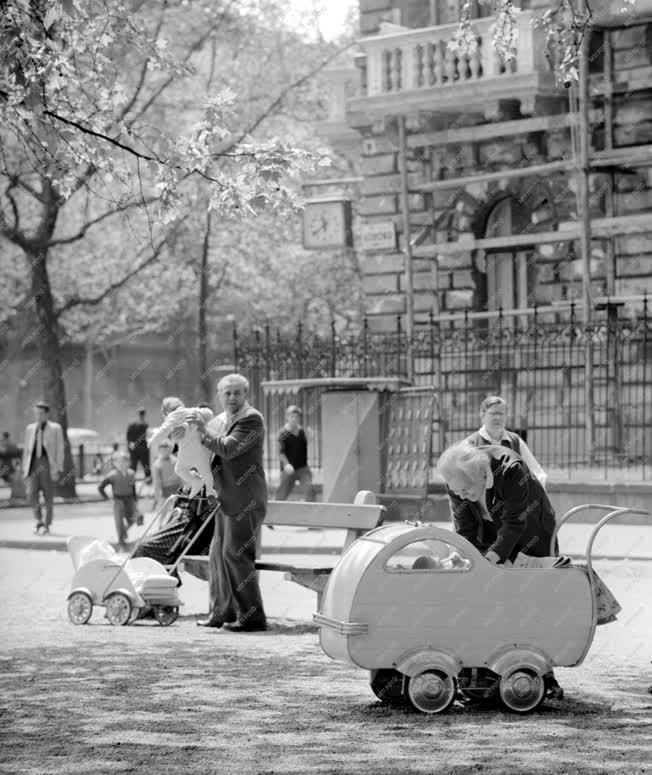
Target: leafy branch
x,y
91,301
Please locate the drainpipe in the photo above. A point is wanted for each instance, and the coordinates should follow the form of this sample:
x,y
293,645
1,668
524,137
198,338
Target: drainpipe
x,y
409,286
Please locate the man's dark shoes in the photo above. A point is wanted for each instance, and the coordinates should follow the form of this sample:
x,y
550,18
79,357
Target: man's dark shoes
x,y
246,627
555,692
212,621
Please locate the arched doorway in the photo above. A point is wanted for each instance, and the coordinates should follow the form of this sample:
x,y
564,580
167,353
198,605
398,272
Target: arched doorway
x,y
510,273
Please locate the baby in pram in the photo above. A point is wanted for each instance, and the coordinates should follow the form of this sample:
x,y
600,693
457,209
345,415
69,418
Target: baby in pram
x,y
193,459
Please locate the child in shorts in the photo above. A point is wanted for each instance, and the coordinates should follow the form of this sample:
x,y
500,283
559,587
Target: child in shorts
x,y
125,507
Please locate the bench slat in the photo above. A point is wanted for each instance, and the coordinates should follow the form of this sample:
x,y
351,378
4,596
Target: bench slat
x,y
201,560
344,516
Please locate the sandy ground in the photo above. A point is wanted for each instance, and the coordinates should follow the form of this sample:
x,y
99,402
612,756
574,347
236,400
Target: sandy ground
x,y
146,699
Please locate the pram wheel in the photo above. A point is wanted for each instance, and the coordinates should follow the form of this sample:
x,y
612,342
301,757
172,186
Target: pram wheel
x,y
118,609
166,614
80,608
522,690
388,686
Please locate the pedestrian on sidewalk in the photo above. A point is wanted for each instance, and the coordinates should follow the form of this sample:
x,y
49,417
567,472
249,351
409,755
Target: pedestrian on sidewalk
x,y
137,445
293,452
125,505
42,463
493,413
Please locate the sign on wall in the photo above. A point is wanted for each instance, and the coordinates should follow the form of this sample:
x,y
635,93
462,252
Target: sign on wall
x,y
378,236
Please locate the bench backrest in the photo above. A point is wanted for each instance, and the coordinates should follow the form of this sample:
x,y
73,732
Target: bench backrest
x,y
357,518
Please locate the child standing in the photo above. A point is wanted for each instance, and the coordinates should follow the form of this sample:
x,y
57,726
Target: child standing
x,y
123,483
166,481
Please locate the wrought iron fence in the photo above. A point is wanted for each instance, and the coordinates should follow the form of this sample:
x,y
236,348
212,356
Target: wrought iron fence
x,y
535,361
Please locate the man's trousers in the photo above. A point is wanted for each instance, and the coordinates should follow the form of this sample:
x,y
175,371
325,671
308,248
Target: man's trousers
x,y
40,480
233,586
141,455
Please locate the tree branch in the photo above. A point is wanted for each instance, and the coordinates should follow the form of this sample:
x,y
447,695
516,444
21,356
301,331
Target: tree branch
x,y
77,301
88,131
212,291
12,233
196,46
143,70
89,224
279,99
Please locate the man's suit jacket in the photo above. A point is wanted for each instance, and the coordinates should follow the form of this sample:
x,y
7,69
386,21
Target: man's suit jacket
x,y
52,442
522,517
238,445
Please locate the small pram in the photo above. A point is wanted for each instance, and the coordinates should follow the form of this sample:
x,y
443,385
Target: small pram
x,y
126,588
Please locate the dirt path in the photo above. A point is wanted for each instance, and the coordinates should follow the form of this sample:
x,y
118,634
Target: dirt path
x,y
181,701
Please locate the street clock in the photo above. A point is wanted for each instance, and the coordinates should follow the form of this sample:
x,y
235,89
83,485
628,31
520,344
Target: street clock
x,y
327,224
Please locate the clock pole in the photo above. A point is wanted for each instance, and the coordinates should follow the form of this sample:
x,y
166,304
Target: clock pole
x,y
409,286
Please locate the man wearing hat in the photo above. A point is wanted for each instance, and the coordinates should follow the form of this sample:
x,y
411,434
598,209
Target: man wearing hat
x,y
137,445
42,462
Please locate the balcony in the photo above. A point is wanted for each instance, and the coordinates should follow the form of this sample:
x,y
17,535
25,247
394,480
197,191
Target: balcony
x,y
411,70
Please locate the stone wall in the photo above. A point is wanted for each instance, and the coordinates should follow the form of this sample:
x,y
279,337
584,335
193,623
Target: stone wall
x,y
555,270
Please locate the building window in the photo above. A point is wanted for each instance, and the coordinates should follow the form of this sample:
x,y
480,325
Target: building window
x,y
427,556
510,273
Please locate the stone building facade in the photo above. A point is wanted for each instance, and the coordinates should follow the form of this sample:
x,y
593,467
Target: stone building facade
x,y
474,162
480,116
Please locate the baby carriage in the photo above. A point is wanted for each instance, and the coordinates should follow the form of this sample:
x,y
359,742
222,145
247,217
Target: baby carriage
x,y
125,588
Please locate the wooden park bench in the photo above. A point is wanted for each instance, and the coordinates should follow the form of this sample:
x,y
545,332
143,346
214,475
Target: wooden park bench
x,y
357,518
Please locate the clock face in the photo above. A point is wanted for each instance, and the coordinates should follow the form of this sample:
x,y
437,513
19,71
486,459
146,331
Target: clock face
x,y
325,225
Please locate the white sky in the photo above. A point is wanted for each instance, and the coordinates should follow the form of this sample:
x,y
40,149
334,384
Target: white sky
x,y
331,14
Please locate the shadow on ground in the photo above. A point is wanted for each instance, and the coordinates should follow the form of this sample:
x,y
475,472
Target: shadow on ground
x,y
146,699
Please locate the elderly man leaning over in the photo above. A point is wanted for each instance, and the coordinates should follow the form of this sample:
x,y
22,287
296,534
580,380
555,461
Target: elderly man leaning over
x,y
236,437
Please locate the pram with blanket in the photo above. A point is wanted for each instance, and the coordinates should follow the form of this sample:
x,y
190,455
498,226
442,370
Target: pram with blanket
x,y
147,579
185,524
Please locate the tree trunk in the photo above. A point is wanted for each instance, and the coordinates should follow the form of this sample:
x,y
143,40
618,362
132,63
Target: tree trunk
x,y
52,360
49,345
202,329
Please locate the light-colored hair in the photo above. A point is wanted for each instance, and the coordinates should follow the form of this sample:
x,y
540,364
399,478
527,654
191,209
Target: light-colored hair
x,y
170,403
463,458
492,401
231,378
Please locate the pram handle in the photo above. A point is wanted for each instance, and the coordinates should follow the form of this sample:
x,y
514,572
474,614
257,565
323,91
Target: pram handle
x,y
157,516
614,511
185,551
587,507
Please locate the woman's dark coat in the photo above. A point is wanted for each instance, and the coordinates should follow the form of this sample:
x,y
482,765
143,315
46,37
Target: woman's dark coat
x,y
521,516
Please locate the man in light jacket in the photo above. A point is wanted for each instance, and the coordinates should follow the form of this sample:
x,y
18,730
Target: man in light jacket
x,y
42,463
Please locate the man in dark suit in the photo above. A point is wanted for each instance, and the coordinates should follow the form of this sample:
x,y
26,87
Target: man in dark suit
x,y
236,438
137,445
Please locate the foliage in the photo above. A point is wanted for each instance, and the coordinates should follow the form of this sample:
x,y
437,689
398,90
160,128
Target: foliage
x,y
164,135
77,84
564,25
